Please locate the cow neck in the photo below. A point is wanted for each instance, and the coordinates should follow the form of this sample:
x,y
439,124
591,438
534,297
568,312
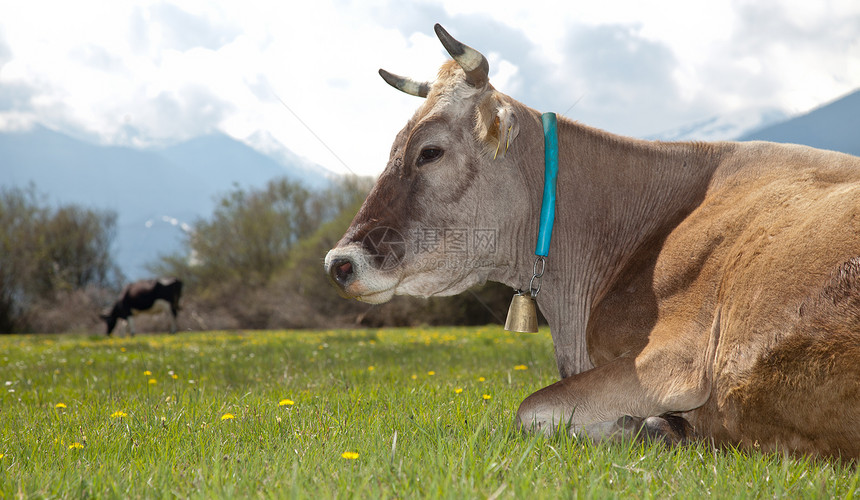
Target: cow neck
x,y
522,314
616,196
566,308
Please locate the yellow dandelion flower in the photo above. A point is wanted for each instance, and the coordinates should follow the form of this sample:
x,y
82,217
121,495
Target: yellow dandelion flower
x,y
2,455
521,367
431,373
487,397
76,446
481,379
60,405
371,368
118,414
227,416
147,373
122,349
414,376
174,376
286,402
349,455
458,390
152,381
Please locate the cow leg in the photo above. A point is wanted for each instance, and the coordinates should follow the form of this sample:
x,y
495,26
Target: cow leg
x,y
129,323
669,375
596,404
172,320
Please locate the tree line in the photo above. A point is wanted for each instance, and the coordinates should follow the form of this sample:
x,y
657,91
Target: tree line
x,y
256,262
54,262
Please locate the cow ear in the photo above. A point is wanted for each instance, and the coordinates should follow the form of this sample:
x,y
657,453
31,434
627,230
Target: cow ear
x,y
508,129
497,125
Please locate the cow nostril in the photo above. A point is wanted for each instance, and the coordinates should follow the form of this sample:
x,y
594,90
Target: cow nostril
x,y
341,271
344,271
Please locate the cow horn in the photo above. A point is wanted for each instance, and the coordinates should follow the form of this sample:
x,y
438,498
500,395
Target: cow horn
x,y
404,84
473,62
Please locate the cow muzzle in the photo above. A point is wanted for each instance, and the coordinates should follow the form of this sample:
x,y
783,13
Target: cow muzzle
x,y
350,268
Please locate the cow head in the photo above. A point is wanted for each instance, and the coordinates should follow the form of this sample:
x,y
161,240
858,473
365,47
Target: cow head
x,y
443,214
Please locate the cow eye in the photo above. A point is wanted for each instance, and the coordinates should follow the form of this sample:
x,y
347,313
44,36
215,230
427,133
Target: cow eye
x,y
429,155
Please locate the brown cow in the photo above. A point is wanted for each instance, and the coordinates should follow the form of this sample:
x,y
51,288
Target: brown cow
x,y
709,289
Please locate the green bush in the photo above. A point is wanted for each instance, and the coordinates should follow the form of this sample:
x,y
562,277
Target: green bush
x,y
46,253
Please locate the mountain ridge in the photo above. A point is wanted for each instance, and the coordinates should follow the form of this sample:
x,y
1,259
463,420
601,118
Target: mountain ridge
x,y
179,182
834,126
723,127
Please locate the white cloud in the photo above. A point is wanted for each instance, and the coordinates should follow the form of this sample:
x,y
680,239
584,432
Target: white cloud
x,y
146,72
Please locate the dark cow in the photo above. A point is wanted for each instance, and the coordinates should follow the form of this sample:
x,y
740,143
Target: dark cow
x,y
715,285
145,297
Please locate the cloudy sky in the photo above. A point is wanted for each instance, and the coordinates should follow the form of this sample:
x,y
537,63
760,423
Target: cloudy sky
x,y
304,74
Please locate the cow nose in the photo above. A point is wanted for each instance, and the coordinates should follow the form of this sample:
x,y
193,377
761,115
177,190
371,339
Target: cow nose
x,y
341,271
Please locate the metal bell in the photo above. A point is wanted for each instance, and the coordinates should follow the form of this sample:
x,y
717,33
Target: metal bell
x,y
522,315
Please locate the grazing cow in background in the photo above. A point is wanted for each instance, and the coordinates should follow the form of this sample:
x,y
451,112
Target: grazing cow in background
x,y
145,297
692,289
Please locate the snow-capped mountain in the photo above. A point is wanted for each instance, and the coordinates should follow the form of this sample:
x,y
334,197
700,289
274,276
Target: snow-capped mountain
x,y
725,127
834,126
265,143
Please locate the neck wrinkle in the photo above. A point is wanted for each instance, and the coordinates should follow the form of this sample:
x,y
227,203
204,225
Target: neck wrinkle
x,y
615,196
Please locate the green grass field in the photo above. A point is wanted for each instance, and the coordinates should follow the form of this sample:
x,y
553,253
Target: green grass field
x,y
324,414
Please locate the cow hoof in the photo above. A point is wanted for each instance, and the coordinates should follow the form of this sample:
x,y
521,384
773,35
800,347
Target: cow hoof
x,y
669,429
